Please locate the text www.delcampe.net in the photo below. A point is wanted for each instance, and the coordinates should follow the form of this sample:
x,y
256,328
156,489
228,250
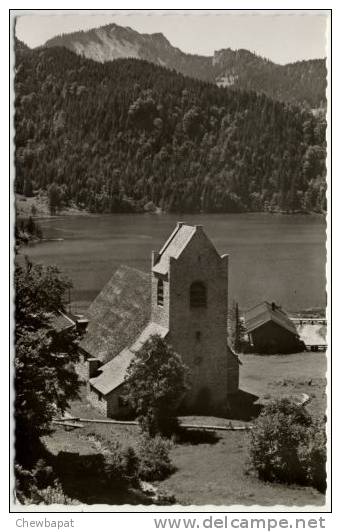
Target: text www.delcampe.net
x,y
226,522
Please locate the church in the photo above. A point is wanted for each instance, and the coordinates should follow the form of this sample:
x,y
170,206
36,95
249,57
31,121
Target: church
x,y
185,301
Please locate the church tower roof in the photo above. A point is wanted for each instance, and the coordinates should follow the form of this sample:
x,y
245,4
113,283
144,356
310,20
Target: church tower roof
x,y
174,246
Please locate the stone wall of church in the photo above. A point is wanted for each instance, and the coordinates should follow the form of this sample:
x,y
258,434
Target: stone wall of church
x,y
160,313
232,372
111,405
98,400
82,367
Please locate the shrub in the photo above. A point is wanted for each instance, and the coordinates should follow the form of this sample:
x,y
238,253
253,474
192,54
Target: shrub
x,y
155,462
39,486
43,474
52,494
315,455
165,498
120,466
287,445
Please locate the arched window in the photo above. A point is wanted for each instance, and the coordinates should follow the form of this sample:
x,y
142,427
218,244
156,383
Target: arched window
x,y
197,295
160,293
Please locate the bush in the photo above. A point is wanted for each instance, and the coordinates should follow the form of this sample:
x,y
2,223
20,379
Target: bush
x,y
315,455
120,466
155,462
53,494
39,486
287,445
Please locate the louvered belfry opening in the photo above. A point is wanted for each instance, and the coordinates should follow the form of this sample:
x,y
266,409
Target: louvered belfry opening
x,y
198,295
160,292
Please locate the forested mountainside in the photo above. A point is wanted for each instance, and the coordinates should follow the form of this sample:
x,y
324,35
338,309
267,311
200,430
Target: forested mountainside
x,y
20,46
127,135
301,82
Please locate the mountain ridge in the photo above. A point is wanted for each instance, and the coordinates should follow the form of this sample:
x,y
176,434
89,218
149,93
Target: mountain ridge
x,y
301,82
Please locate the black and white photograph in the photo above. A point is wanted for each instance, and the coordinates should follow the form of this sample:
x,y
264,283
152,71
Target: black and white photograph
x,y
171,313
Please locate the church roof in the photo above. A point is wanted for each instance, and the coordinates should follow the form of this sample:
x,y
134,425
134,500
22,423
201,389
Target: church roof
x,y
265,312
118,314
174,246
113,372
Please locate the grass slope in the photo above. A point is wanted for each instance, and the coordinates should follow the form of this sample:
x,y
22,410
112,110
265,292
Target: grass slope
x,y
212,468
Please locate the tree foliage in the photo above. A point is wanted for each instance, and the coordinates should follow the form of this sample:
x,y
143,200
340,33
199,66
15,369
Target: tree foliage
x,y
154,459
236,328
288,445
156,381
39,486
27,229
45,379
55,195
114,137
301,81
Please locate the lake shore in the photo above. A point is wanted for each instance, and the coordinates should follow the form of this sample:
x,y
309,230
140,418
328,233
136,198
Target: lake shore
x,y
38,207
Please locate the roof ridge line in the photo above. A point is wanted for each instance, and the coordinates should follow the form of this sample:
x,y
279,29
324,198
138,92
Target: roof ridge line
x,y
64,314
178,226
258,305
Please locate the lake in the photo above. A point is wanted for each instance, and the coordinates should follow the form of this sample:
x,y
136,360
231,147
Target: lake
x,y
280,258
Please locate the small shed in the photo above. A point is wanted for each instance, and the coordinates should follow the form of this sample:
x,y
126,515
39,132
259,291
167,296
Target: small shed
x,y
270,330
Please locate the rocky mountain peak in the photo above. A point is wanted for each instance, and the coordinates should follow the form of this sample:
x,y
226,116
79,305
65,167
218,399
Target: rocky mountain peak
x,y
239,68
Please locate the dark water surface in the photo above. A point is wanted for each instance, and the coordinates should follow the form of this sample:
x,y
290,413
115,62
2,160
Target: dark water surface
x,y
275,257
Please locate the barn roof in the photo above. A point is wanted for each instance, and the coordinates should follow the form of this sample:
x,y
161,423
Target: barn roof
x,y
113,372
265,312
118,314
174,246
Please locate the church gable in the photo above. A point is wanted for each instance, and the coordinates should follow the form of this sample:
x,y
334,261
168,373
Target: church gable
x,y
199,249
185,240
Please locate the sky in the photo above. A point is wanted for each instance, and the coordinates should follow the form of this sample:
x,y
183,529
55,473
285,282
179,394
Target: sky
x,y
282,36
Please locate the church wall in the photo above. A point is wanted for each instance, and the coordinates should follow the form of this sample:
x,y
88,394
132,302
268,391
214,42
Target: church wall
x,y
82,367
98,400
232,372
160,314
109,405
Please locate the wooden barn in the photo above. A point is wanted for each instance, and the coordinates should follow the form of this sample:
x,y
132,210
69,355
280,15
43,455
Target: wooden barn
x,y
270,330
